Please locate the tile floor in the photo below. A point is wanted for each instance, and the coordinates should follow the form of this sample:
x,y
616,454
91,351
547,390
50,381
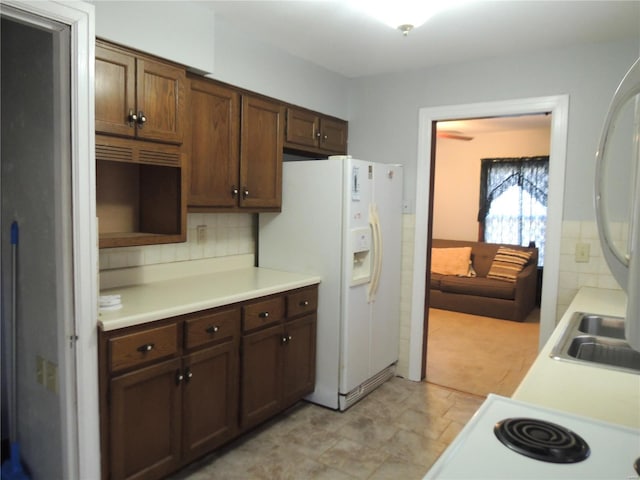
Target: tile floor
x,y
396,432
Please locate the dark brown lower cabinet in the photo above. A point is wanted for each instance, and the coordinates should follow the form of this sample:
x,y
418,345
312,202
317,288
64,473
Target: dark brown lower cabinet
x,y
145,422
278,368
299,365
177,389
210,399
261,375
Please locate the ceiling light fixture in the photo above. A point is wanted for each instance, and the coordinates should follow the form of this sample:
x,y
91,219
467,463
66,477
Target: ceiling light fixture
x,y
404,15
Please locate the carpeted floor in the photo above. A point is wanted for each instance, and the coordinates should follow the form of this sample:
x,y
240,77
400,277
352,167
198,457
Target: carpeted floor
x,y
480,355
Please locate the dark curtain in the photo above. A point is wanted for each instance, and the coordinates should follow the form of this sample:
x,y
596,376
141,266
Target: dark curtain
x,y
531,175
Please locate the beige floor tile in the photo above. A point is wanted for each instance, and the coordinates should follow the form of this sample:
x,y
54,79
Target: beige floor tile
x,y
396,432
397,469
414,448
354,458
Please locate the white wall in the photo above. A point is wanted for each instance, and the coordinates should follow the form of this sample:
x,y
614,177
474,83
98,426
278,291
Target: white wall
x,y
588,74
457,176
189,32
166,29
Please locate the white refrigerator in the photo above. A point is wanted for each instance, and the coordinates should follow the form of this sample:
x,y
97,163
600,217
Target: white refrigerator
x,y
341,219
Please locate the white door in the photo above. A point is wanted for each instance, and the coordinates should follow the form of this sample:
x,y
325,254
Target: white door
x,y
356,339
385,322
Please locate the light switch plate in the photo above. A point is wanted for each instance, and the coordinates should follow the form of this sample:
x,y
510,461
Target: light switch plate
x,y
582,252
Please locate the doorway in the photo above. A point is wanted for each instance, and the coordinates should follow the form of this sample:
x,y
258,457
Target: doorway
x,y
475,353
47,187
558,106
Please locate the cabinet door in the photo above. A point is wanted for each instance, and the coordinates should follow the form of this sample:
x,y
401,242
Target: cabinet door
x,y
303,128
299,362
333,136
115,74
214,139
261,154
160,99
145,422
261,375
210,398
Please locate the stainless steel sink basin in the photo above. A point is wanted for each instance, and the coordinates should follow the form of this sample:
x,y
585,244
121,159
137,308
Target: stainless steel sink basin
x,y
601,326
598,341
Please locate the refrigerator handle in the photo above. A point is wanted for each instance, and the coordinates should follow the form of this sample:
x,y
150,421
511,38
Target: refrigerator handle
x,y
374,221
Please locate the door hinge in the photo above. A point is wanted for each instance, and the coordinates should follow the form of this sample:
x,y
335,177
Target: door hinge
x,y
72,340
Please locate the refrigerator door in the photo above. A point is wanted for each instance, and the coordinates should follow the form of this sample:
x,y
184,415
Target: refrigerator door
x,y
307,237
356,336
385,320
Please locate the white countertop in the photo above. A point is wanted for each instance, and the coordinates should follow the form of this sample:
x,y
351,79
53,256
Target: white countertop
x,y
151,301
609,395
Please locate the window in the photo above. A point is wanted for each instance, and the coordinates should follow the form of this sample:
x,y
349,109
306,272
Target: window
x,y
513,201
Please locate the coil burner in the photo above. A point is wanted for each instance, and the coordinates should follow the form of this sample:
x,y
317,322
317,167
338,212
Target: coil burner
x,y
542,440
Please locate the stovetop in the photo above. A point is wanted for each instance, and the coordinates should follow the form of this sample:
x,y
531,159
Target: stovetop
x,y
580,447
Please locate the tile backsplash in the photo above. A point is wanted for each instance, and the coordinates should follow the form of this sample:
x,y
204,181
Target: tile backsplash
x,y
592,273
225,234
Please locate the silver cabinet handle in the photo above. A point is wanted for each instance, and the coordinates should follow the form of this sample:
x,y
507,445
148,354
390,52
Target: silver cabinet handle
x,y
147,347
132,118
245,192
212,329
304,303
263,314
141,119
234,191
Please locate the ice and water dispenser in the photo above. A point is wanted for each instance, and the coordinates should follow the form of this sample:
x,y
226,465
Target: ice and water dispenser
x,y
361,250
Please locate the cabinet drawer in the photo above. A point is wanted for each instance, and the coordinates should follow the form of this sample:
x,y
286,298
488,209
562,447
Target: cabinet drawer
x,y
142,347
301,302
263,313
211,328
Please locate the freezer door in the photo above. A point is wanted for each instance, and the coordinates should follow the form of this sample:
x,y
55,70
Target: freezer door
x,y
385,316
355,365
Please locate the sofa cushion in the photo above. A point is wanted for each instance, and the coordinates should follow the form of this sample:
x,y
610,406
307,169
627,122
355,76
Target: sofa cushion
x,y
436,278
482,287
508,263
451,261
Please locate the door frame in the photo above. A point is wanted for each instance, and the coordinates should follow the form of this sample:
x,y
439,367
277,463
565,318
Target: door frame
x,y
559,108
78,367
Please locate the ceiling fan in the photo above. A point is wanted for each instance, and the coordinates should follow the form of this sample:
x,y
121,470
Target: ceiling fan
x,y
454,135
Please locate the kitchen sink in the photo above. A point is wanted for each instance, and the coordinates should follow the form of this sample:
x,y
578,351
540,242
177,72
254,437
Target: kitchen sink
x,y
598,341
601,326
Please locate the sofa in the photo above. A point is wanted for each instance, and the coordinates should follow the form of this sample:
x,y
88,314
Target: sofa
x,y
481,288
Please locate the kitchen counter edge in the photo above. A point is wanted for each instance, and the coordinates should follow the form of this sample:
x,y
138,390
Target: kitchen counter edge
x,y
152,301
592,391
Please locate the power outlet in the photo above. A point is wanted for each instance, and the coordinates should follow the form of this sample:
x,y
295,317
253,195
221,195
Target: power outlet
x,y
201,234
582,252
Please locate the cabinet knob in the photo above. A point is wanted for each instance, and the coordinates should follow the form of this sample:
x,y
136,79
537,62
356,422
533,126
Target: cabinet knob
x,y
325,138
234,191
179,377
245,192
132,118
263,314
212,329
304,303
284,340
188,375
141,119
147,347
317,134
